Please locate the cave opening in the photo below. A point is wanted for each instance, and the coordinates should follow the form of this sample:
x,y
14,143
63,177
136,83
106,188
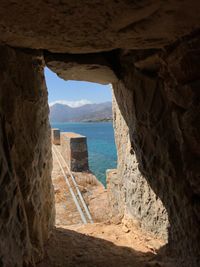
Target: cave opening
x,y
149,52
112,214
81,113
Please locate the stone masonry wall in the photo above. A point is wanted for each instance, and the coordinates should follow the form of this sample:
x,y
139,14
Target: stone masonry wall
x,y
26,205
137,199
74,150
158,96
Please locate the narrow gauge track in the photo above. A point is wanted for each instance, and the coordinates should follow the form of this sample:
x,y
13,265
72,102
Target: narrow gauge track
x,y
73,187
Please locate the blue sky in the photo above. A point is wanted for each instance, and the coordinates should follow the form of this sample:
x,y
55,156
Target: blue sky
x,y
75,91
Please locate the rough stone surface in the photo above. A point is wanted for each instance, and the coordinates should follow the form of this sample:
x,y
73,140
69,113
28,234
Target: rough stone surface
x,y
91,68
115,194
70,26
134,197
161,110
15,244
26,206
74,151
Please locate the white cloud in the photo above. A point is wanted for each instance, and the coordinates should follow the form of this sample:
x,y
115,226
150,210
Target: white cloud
x,y
73,104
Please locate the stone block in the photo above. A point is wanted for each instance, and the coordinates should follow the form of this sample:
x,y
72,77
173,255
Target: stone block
x,y
55,136
74,151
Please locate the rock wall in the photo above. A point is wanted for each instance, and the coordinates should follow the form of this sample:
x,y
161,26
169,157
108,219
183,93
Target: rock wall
x,y
115,191
26,206
97,25
136,199
158,96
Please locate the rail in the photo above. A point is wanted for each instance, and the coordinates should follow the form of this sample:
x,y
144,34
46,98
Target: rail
x,y
56,152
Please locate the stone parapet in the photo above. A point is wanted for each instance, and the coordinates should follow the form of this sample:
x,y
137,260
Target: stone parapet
x,y
55,136
74,150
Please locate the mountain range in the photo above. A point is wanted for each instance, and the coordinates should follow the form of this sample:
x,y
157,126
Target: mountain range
x,y
86,113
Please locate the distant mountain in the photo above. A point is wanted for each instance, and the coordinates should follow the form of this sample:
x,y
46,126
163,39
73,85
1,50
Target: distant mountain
x,y
88,112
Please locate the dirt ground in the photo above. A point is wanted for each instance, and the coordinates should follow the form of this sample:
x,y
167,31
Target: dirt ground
x,y
103,243
94,194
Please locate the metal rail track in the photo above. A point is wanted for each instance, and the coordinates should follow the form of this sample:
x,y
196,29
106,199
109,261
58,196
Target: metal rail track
x,y
77,198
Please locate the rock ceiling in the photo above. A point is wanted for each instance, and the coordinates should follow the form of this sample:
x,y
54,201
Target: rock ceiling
x,y
69,26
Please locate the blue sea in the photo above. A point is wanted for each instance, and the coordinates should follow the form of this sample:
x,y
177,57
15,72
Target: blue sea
x,y
101,145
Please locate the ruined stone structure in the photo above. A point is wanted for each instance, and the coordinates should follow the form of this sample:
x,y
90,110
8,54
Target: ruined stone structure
x,y
74,151
55,136
149,51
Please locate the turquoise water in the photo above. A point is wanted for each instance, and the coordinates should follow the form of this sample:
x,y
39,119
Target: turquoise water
x,y
101,145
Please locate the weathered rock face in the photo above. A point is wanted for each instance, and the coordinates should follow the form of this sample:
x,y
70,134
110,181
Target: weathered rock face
x,y
26,206
135,199
161,108
15,246
92,67
116,194
69,26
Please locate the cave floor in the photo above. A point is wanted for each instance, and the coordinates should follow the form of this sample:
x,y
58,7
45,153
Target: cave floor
x,y
104,243
101,244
